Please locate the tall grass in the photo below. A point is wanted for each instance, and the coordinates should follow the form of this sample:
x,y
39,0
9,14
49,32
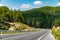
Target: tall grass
x,y
56,33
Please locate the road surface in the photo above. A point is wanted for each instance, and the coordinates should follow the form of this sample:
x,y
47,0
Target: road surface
x,y
24,36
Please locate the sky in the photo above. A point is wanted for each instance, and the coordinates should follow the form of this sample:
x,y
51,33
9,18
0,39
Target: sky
x,y
28,4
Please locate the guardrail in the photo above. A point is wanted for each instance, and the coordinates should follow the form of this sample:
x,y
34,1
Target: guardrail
x,y
9,31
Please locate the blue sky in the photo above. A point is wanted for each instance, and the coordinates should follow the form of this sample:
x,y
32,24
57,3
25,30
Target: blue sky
x,y
28,4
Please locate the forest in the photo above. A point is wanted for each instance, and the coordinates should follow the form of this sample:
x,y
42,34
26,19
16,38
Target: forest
x,y
43,17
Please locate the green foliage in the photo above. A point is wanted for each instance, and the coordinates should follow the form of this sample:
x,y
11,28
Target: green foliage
x,y
44,17
7,15
56,33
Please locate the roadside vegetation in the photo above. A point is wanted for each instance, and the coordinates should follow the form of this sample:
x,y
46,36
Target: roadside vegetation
x,y
56,33
10,32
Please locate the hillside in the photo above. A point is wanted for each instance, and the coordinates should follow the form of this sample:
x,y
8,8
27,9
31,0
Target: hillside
x,y
44,17
19,26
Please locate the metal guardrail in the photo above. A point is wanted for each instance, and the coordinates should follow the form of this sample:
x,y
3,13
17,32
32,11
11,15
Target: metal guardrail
x,y
9,31
4,31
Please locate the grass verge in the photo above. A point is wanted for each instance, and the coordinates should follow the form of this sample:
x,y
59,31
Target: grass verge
x,y
56,34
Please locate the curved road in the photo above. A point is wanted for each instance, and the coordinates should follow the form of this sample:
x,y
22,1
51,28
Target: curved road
x,y
24,36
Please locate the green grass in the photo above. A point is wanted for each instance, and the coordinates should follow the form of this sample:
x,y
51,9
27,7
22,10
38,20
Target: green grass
x,y
9,32
56,34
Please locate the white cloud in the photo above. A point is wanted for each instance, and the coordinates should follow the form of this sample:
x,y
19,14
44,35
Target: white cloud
x,y
38,2
58,4
25,6
3,5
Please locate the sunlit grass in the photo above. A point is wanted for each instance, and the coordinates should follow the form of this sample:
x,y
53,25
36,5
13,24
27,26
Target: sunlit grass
x,y
9,32
56,33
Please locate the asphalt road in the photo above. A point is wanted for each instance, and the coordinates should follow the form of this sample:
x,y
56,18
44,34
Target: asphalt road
x,y
24,36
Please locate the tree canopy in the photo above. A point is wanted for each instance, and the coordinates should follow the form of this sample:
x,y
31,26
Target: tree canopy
x,y
43,17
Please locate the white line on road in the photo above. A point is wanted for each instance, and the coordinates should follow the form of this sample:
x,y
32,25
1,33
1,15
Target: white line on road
x,y
42,36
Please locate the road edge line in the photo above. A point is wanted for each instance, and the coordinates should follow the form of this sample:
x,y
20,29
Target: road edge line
x,y
41,36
